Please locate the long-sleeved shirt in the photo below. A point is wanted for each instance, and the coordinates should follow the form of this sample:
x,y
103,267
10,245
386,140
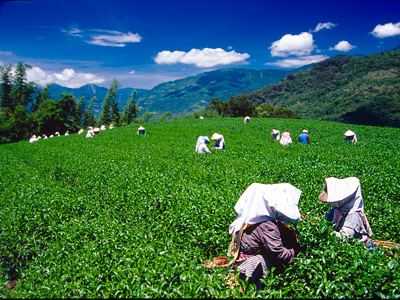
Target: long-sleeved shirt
x,y
267,237
304,138
220,144
350,226
202,148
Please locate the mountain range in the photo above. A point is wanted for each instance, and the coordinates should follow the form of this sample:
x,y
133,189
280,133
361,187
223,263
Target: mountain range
x,y
184,95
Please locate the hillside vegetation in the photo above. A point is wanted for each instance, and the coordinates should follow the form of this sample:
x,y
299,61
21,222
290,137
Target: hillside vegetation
x,y
123,215
360,90
194,93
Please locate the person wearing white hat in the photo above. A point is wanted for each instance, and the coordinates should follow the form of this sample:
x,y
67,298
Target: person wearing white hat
x,y
246,119
201,146
260,240
219,141
103,127
350,136
33,139
141,130
275,135
347,213
90,133
304,138
286,139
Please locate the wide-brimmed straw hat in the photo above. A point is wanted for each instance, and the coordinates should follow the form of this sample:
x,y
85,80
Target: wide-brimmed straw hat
x,y
274,131
349,133
216,136
141,128
323,197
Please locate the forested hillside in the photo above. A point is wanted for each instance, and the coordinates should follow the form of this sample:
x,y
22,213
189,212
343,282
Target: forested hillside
x,y
89,91
361,90
195,93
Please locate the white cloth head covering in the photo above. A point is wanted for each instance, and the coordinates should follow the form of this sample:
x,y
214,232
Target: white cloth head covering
x,y
263,202
202,140
286,139
345,195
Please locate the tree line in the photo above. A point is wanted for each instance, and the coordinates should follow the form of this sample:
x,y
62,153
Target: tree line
x,y
26,110
242,106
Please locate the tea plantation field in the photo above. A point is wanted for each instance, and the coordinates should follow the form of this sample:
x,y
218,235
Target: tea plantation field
x,y
122,215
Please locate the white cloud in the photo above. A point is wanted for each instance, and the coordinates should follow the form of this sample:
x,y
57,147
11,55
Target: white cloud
x,y
132,72
387,30
299,45
107,38
68,77
298,61
204,58
343,46
6,53
321,26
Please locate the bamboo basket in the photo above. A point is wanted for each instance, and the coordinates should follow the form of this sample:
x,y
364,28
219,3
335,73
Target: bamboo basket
x,y
388,245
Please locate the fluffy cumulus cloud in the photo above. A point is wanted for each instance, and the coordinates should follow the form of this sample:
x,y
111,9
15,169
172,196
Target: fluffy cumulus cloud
x,y
298,62
298,45
204,58
107,38
387,30
322,26
68,78
343,46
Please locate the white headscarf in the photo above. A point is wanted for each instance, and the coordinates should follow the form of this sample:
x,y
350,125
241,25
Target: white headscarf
x,y
202,140
286,139
263,202
345,195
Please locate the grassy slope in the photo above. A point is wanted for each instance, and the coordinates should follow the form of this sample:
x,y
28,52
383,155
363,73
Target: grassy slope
x,y
127,215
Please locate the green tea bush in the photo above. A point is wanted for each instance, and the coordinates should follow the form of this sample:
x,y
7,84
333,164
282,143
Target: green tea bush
x,y
122,215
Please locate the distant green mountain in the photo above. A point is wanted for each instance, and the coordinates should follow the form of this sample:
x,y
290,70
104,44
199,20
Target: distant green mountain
x,y
362,90
194,93
90,90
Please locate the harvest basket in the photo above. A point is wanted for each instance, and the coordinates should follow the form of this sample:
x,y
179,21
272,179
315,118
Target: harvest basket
x,y
388,245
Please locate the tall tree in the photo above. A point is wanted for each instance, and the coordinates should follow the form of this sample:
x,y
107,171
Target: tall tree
x,y
131,110
110,111
6,86
88,118
21,90
68,112
48,117
79,109
22,124
42,96
115,114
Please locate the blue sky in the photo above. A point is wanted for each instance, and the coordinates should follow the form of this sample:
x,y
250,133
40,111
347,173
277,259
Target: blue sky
x,y
148,42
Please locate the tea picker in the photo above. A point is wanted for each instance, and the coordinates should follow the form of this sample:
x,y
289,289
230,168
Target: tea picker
x,y
275,135
219,141
201,146
304,138
285,139
350,137
347,213
141,130
260,239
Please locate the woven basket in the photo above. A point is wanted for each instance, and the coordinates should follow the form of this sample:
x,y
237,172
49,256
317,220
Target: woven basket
x,y
388,245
